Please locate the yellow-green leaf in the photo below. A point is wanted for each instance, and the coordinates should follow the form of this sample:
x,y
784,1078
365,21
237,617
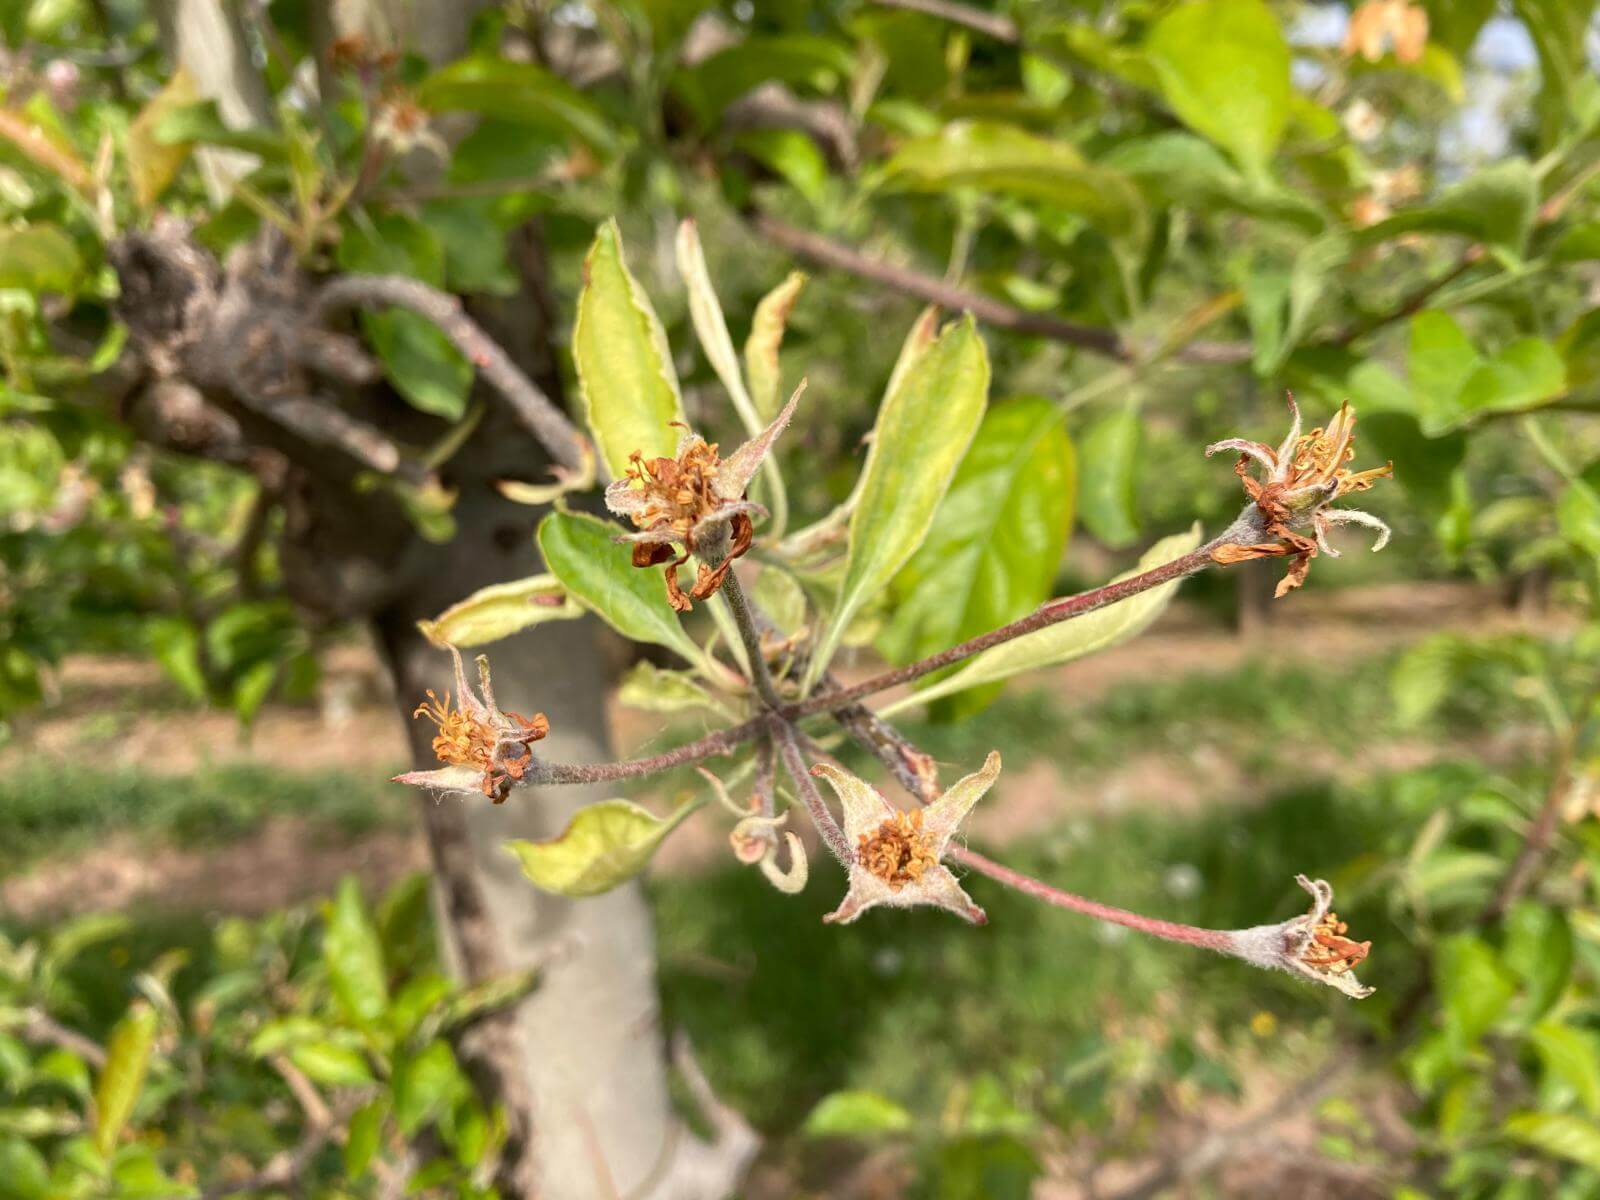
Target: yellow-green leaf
x,y
605,844
38,258
353,956
656,689
122,1078
500,610
153,163
1063,642
923,429
598,572
625,374
1576,1139
766,338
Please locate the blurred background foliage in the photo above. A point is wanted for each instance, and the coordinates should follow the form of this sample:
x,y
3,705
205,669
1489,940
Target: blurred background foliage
x,y
1170,214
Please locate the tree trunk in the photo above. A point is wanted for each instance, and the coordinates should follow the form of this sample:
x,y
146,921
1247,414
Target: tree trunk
x,y
590,1032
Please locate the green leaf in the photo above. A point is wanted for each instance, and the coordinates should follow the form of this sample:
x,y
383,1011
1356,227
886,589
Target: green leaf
x,y
1423,676
24,1173
1557,1134
923,429
656,689
629,388
1004,159
1522,376
365,1136
38,258
1473,986
1180,169
1427,468
1495,205
1538,951
602,847
1224,69
766,338
425,1085
331,1064
858,1114
353,956
417,357
1108,496
500,610
1067,640
518,92
797,59
121,1080
1572,1056
993,551
598,572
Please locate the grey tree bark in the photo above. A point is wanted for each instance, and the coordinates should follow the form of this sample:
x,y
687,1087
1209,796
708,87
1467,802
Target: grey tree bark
x,y
592,1079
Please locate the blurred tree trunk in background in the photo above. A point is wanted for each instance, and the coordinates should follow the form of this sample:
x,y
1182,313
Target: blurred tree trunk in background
x,y
583,1057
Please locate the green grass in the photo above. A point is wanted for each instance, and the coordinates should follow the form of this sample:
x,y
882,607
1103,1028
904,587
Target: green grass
x,y
54,808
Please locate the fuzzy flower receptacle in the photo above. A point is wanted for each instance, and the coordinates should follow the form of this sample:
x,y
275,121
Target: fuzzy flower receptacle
x,y
898,856
1313,946
694,504
1302,477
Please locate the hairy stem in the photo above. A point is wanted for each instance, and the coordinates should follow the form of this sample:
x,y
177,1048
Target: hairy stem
x,y
1053,613
739,605
723,741
1171,931
789,750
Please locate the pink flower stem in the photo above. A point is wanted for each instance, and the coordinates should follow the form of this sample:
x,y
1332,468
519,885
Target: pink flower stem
x,y
1189,935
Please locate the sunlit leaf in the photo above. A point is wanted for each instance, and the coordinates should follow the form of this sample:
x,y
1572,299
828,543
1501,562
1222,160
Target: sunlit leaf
x,y
500,610
857,1114
1224,69
625,374
121,1080
766,338
923,429
598,572
602,847
1067,640
153,162
997,540
353,956
1562,1135
1108,499
38,258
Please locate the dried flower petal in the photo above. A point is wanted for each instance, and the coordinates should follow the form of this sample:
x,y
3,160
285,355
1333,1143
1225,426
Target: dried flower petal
x,y
1304,475
475,736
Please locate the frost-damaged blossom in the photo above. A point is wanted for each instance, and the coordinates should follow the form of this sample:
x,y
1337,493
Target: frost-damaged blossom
x,y
694,504
755,841
1304,476
1380,24
483,749
897,854
1313,946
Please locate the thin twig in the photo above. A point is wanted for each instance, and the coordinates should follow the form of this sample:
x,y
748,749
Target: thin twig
x,y
832,835
1412,303
1170,931
1049,614
743,618
1519,877
548,423
1106,342
42,1029
1001,28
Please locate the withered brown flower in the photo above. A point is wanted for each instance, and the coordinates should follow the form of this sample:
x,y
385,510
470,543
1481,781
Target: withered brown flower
x,y
1312,946
483,748
1303,476
897,854
694,504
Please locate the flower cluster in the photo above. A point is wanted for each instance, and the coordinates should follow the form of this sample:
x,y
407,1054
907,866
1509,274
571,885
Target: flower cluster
x,y
694,504
483,749
1303,477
